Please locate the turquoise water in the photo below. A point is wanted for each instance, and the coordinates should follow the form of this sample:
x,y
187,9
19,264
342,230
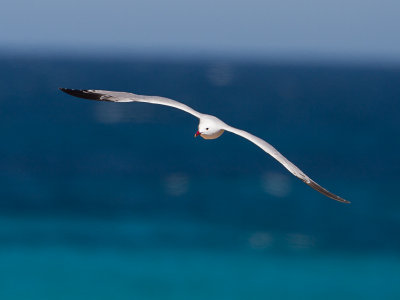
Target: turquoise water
x,y
149,264
103,200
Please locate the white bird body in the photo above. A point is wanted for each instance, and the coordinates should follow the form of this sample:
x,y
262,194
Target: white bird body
x,y
210,127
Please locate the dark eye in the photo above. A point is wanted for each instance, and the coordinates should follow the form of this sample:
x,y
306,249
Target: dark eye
x,y
206,128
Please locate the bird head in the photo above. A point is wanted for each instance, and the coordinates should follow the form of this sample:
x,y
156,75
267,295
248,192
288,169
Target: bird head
x,y
208,129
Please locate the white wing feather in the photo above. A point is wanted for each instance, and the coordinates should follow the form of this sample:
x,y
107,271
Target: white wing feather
x,y
102,95
284,161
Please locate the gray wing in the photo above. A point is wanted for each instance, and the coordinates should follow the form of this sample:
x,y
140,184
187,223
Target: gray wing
x,y
101,95
285,162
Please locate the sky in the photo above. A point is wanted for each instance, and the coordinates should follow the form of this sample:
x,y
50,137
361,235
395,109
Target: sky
x,y
350,30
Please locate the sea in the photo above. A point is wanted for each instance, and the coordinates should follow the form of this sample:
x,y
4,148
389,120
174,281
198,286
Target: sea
x,y
120,201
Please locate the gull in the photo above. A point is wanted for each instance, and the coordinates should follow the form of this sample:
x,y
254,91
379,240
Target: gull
x,y
210,127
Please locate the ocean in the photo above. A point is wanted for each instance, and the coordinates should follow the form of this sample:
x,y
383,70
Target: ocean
x,y
119,200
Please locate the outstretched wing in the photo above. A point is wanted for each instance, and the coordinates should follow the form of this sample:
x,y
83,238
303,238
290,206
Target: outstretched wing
x,y
285,162
101,95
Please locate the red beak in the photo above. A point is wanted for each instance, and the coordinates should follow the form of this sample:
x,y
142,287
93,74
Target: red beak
x,y
197,134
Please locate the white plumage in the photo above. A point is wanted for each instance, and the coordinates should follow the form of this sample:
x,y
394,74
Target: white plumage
x,y
210,127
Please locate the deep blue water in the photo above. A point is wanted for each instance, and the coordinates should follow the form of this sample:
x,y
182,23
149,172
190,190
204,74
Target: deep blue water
x,y
106,200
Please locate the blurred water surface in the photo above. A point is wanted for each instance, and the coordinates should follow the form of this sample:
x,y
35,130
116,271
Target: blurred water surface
x,y
106,200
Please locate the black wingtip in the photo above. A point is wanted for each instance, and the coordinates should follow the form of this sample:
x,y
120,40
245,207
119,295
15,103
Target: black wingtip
x,y
85,94
320,189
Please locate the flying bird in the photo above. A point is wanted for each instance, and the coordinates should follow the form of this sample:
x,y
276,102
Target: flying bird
x,y
210,127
